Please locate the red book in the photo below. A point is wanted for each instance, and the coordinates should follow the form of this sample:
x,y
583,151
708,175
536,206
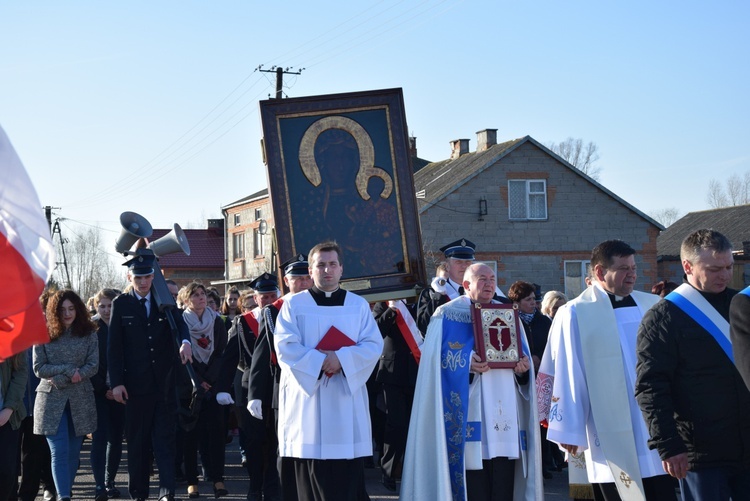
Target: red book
x,y
333,340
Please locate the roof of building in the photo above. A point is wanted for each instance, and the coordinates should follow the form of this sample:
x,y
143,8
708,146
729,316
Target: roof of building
x,y
438,179
418,164
206,249
733,222
250,198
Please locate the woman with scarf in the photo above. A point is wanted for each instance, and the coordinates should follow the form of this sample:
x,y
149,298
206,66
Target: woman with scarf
x,y
208,335
65,395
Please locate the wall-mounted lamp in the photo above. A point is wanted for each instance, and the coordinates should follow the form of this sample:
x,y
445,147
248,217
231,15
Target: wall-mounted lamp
x,y
482,208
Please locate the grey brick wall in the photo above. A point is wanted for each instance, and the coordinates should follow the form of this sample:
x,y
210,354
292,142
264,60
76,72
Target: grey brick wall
x,y
580,215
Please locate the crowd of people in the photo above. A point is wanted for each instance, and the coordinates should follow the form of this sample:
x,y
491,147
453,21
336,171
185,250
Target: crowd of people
x,y
635,393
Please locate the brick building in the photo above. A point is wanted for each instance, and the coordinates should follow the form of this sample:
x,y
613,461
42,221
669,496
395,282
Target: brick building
x,y
532,215
248,246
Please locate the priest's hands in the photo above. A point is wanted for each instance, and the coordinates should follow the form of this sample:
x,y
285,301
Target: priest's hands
x,y
331,364
522,366
572,449
676,466
477,365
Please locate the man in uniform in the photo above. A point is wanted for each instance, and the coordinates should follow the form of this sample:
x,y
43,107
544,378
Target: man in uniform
x,y
691,394
327,344
459,255
243,338
142,357
263,394
397,374
592,407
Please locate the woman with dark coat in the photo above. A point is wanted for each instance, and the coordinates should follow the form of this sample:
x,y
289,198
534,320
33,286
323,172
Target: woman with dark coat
x,y
208,335
106,444
65,397
523,295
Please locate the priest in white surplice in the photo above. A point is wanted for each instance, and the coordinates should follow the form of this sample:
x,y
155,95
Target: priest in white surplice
x,y
478,439
593,407
324,419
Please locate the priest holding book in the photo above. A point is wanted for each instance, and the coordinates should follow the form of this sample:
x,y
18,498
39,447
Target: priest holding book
x,y
327,344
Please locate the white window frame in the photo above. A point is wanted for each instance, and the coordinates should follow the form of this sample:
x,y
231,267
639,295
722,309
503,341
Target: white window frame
x,y
238,251
529,194
572,290
258,244
237,219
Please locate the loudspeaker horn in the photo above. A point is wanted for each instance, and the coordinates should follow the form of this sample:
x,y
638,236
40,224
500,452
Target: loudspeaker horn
x,y
174,241
134,226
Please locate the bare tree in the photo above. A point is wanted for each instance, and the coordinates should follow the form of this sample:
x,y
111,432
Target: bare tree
x,y
715,196
89,264
581,156
666,216
738,189
735,192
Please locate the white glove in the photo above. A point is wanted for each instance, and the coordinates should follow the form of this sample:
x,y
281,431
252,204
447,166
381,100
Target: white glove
x,y
438,285
254,408
224,398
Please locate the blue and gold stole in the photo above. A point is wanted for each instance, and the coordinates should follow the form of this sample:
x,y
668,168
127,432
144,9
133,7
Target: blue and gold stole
x,y
455,362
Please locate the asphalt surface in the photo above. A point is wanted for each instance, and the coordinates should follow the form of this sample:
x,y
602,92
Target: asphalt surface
x,y
236,480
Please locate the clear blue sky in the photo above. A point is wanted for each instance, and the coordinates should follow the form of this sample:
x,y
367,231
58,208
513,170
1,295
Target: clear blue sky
x,y
152,106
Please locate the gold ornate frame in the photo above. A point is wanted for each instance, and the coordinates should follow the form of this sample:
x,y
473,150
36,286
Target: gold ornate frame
x,y
339,169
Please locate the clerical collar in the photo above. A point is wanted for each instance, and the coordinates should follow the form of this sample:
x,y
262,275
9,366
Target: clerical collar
x,y
325,298
620,301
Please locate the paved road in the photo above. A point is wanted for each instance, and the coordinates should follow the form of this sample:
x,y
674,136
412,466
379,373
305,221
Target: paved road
x,y
236,481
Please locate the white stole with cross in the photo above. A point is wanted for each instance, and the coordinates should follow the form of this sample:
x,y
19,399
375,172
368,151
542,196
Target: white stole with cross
x,y
609,394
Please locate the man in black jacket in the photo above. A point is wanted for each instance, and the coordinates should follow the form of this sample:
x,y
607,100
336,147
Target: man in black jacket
x,y
397,373
690,392
265,373
142,357
739,328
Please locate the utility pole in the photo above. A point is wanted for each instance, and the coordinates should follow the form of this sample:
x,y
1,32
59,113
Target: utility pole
x,y
280,76
56,229
48,215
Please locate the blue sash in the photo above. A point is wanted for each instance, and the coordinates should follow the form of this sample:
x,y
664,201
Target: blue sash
x,y
746,291
702,319
455,363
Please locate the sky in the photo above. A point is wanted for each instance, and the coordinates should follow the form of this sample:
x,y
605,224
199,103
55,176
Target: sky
x,y
152,107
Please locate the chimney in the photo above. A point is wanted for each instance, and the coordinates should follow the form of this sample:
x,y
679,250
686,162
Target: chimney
x,y
459,147
486,139
216,226
413,147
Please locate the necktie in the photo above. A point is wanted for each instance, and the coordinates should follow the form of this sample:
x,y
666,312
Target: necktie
x,y
461,290
143,305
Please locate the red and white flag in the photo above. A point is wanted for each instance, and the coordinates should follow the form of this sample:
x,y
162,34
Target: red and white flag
x,y
27,256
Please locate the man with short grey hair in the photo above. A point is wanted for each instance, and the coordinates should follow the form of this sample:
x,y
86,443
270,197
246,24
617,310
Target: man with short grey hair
x,y
690,392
